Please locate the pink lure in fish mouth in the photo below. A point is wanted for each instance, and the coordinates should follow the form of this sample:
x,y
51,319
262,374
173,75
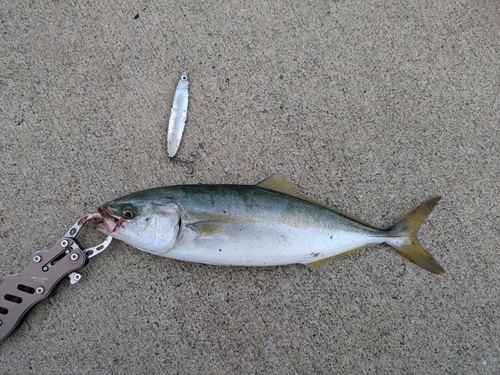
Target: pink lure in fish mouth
x,y
109,223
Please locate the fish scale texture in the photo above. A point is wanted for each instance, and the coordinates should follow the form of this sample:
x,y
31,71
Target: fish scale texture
x,y
368,106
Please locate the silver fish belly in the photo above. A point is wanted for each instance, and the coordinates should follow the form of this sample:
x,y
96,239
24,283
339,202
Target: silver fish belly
x,y
178,115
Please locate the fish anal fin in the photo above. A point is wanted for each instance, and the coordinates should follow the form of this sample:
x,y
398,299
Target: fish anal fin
x,y
281,184
210,227
322,262
319,263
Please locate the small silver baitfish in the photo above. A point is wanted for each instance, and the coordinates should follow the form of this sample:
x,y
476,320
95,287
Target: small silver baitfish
x,y
271,223
178,115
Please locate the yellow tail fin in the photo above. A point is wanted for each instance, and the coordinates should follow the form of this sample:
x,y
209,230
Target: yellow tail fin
x,y
405,240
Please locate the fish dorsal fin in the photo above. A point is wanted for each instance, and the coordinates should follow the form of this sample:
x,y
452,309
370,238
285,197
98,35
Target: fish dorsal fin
x,y
281,184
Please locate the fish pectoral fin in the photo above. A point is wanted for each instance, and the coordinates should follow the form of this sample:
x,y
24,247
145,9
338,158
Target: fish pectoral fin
x,y
210,227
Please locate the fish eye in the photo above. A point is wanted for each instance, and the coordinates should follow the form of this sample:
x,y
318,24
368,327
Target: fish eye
x,y
184,77
128,213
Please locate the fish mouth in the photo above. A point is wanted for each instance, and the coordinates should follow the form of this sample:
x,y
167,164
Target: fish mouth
x,y
109,223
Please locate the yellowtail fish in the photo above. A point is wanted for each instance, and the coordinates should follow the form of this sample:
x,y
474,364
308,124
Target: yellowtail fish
x,y
178,115
271,223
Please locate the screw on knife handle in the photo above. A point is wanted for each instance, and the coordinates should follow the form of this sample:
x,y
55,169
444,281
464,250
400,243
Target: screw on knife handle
x,y
19,293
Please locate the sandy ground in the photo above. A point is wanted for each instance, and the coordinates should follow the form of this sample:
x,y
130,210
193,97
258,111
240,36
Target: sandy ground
x,y
368,106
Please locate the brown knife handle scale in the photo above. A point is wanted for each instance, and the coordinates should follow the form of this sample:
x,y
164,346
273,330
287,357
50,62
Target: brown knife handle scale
x,y
19,293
